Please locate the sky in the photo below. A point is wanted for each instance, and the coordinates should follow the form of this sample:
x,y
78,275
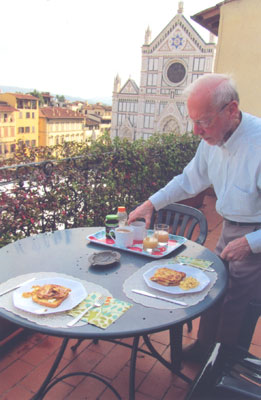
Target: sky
x,y
77,47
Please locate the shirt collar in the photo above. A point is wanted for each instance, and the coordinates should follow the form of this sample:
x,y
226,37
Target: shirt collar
x,y
231,144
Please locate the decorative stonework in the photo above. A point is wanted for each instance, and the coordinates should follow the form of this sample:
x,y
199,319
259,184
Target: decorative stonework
x,y
188,46
165,47
170,125
177,41
174,59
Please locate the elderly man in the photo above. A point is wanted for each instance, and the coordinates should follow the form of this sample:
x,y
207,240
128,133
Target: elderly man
x,y
229,158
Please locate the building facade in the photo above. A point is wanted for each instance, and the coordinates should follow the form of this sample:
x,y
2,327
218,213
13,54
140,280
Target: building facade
x,y
58,125
98,113
174,59
239,30
237,25
26,119
7,130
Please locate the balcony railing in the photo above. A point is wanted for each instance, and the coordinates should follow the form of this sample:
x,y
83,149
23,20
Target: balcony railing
x,y
81,190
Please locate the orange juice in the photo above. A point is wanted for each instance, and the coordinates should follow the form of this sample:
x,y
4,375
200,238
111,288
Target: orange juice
x,y
150,243
161,231
162,236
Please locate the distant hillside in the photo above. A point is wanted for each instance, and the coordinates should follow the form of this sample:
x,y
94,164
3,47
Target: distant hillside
x,y
14,89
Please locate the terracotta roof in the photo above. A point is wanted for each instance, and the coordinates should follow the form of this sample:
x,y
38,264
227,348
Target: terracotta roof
x,y
90,122
209,18
5,107
59,113
24,96
46,95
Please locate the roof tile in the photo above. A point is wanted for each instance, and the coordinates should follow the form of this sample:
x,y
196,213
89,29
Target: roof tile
x,y
59,113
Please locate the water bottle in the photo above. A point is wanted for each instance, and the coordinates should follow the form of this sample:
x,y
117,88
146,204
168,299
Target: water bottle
x,y
122,216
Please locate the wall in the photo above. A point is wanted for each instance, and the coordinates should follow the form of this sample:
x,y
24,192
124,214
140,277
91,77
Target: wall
x,y
239,51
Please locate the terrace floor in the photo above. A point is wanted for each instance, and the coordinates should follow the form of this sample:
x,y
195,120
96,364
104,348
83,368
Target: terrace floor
x,y
26,358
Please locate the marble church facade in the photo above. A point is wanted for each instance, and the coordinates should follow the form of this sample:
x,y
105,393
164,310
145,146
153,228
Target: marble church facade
x,y
171,61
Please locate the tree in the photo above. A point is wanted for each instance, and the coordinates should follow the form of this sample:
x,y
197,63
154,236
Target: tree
x,y
61,98
35,93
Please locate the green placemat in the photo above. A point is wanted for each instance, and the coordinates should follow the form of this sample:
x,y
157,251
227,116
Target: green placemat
x,y
197,262
102,316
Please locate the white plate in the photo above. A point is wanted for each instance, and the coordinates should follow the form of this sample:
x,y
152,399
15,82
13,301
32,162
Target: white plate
x,y
77,294
190,271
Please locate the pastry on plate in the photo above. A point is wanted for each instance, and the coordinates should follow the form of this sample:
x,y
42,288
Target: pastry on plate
x,y
49,295
168,277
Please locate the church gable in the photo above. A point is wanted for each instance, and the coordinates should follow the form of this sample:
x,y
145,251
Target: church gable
x,y
178,41
130,87
178,35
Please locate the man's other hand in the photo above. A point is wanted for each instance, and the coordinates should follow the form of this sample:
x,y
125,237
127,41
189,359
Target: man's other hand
x,y
236,250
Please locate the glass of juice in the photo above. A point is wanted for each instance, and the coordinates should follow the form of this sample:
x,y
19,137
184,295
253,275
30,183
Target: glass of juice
x,y
150,242
161,232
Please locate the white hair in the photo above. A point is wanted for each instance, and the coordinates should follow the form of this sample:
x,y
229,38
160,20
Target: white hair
x,y
223,93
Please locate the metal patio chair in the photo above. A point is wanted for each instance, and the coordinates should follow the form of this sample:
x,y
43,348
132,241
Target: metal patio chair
x,y
229,372
183,220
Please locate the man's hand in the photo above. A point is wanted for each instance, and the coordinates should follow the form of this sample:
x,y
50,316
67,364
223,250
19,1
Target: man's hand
x,y
145,211
236,250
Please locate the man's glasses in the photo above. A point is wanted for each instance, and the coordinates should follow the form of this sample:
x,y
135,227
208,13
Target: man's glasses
x,y
207,122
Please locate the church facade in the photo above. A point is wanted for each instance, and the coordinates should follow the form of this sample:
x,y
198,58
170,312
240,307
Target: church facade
x,y
170,62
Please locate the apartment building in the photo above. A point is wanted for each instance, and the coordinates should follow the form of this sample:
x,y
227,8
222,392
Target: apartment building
x,y
92,129
58,125
26,117
7,130
98,113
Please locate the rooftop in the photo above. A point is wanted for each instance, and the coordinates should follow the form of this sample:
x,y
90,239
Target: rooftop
x,y
59,113
23,96
4,107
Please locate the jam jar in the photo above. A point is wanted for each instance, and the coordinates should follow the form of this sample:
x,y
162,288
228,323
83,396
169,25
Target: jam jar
x,y
111,223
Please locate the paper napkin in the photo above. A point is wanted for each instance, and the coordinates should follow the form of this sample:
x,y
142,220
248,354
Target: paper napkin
x,y
102,316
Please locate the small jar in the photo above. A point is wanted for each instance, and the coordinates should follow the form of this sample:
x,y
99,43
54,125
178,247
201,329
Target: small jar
x,y
111,223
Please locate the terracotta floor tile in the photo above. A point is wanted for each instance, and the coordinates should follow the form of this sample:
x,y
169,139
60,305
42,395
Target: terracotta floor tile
x,y
141,396
257,334
153,385
161,337
90,389
5,361
85,361
110,366
175,392
121,384
59,391
14,374
17,392
102,347
42,351
144,362
34,380
255,350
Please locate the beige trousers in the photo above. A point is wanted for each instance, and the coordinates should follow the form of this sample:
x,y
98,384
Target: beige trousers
x,y
223,321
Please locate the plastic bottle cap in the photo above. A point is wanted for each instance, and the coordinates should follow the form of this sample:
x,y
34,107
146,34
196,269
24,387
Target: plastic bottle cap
x,y
121,209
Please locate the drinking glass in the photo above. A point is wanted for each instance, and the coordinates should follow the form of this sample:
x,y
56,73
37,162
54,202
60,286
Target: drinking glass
x,y
150,242
161,232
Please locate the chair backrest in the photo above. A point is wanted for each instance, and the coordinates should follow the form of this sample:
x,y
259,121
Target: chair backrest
x,y
184,221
